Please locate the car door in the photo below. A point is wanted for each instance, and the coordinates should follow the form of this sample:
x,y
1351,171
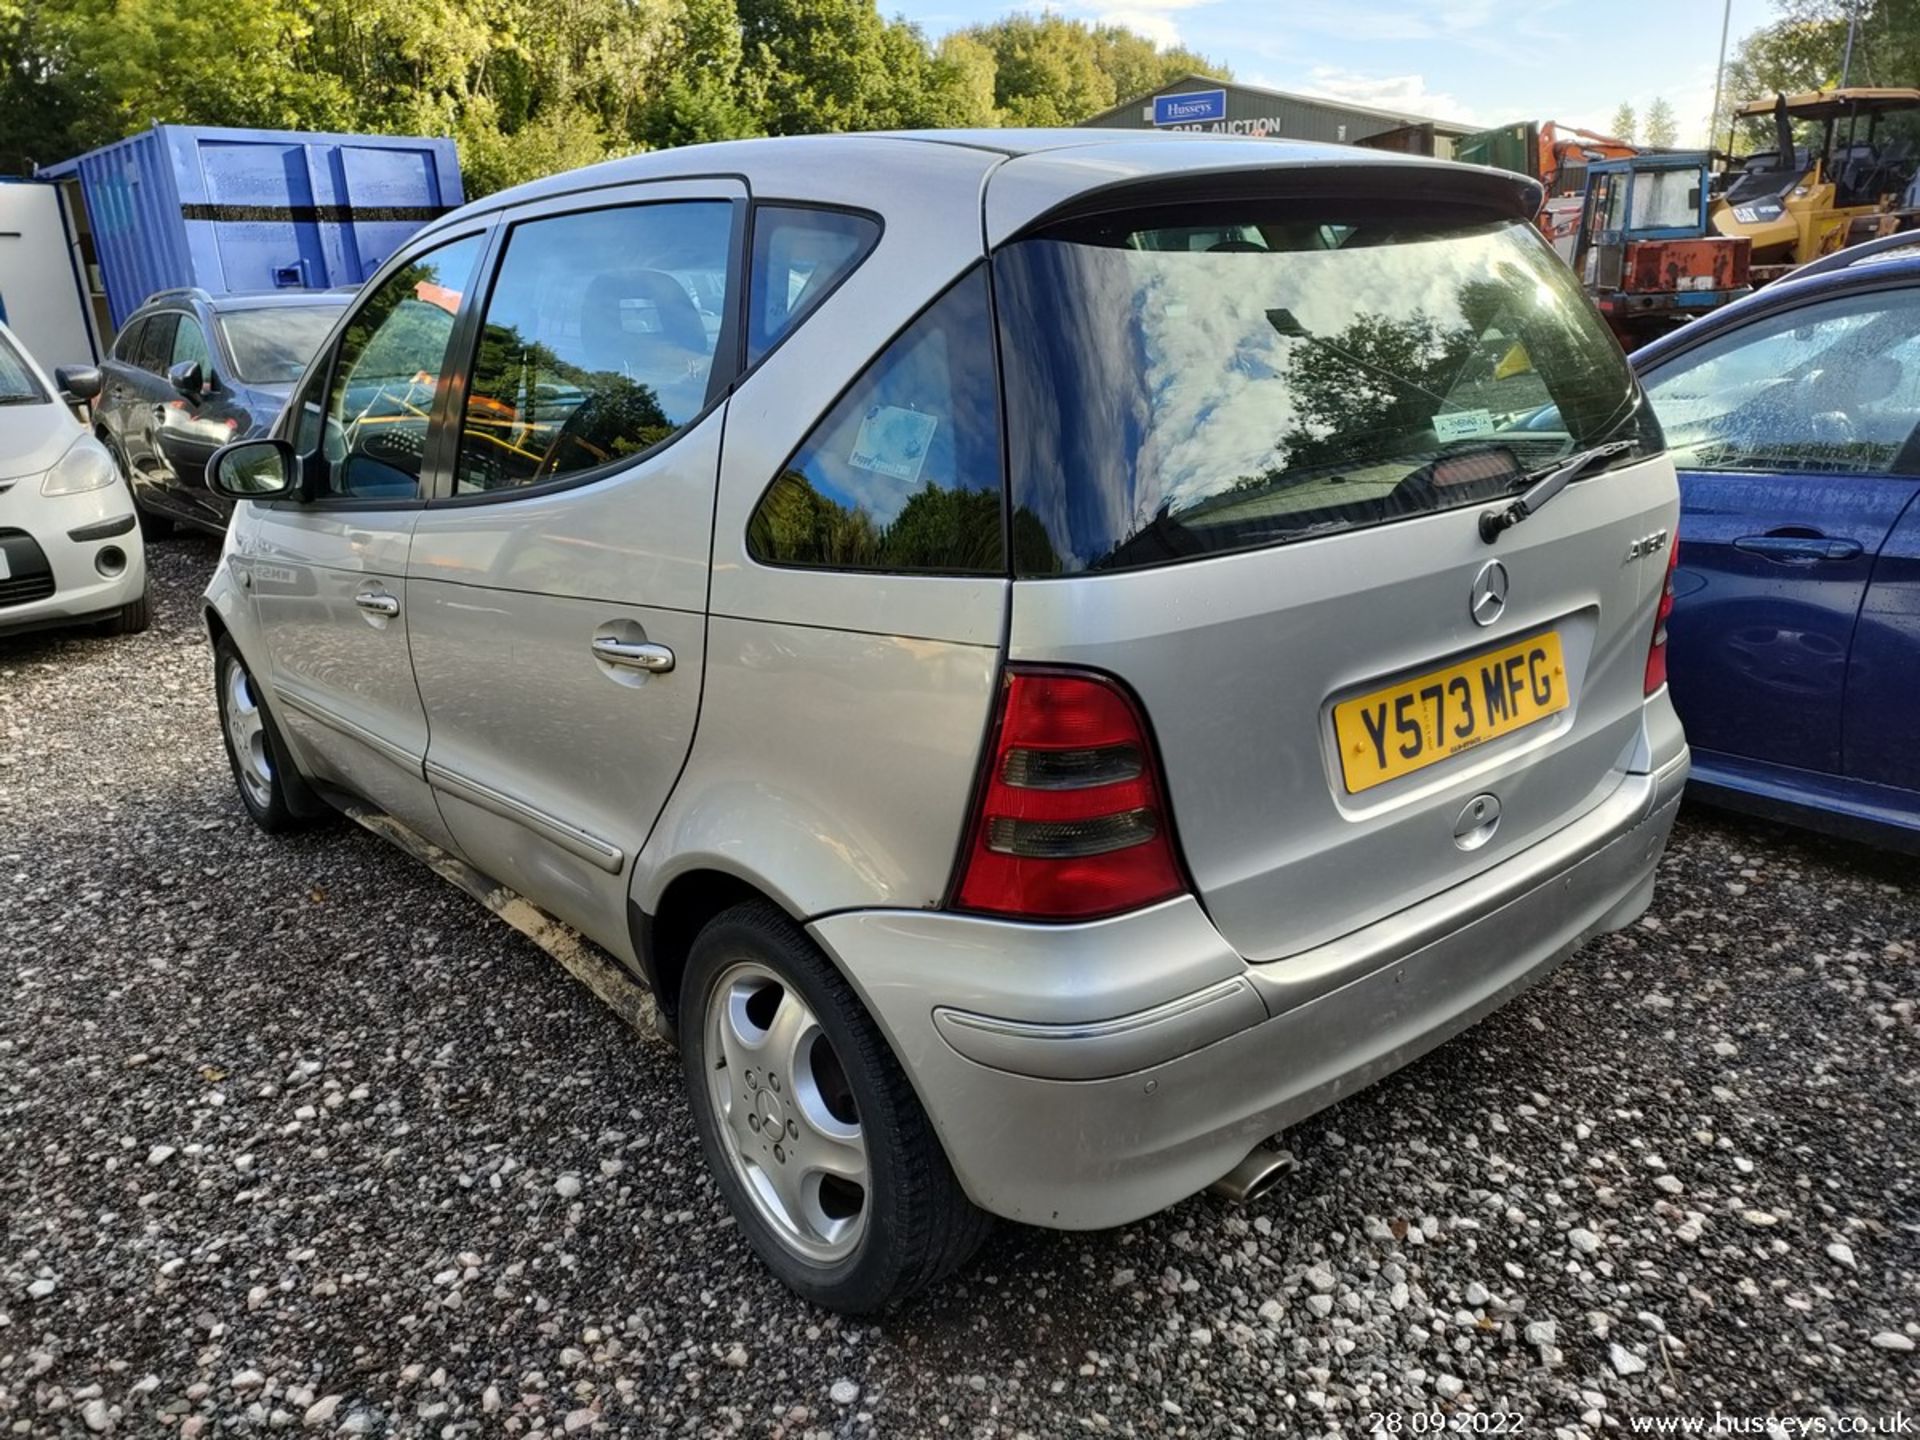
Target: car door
x,y
145,394
188,429
557,590
328,571
1791,437
109,411
1881,723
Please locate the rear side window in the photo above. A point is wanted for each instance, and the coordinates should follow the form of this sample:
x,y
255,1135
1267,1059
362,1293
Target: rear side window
x,y
904,472
1259,373
1829,387
598,343
799,255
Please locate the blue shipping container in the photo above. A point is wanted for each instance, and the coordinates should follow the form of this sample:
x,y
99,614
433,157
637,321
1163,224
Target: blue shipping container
x,y
240,210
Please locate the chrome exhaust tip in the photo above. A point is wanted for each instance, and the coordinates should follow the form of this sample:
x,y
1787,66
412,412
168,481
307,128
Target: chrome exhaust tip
x,y
1263,1168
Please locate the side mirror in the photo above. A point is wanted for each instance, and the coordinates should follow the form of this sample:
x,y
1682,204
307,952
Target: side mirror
x,y
186,377
253,470
78,383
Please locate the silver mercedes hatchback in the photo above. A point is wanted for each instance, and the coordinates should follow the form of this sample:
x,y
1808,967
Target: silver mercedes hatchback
x,y
1054,655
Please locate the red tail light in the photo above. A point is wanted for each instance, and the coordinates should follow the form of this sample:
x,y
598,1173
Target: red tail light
x,y
1657,652
1072,819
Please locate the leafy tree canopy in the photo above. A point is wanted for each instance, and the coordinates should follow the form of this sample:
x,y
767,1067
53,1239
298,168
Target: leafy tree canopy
x,y
527,87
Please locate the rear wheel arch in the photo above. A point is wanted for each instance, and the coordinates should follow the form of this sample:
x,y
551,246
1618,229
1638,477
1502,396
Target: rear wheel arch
x,y
663,939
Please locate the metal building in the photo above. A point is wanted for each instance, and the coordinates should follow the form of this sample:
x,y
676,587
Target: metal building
x,y
1198,102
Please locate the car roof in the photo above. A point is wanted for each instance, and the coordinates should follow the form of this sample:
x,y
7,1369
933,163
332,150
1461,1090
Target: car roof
x,y
1032,171
269,299
239,300
1897,270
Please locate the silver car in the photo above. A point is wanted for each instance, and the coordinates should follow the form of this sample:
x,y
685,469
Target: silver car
x,y
1054,655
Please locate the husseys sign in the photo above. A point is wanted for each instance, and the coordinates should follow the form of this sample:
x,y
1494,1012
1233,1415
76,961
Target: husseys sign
x,y
1195,108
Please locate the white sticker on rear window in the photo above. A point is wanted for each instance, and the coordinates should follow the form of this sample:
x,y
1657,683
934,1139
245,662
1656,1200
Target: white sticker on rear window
x,y
893,441
1462,424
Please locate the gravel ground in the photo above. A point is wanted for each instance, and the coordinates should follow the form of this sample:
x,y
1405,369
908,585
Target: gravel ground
x,y
293,1135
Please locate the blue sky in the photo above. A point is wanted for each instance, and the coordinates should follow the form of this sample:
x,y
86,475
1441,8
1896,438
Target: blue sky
x,y
1482,61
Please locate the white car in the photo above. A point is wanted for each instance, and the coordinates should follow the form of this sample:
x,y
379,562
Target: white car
x,y
70,551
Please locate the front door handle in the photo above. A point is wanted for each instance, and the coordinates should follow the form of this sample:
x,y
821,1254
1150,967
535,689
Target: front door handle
x,y
377,602
1798,549
633,654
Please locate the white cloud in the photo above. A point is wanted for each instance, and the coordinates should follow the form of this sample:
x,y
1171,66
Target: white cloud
x,y
1157,25
1388,92
1151,18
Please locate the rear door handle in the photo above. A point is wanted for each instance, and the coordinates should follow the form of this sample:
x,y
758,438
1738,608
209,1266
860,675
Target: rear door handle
x,y
1798,549
377,602
633,654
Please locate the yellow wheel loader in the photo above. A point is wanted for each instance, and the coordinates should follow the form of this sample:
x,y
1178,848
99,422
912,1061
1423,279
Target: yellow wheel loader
x,y
1796,203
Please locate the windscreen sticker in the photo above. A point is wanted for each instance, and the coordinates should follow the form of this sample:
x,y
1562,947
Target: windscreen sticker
x,y
893,441
1462,424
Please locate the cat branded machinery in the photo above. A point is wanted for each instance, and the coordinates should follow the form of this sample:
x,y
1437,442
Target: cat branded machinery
x,y
1795,203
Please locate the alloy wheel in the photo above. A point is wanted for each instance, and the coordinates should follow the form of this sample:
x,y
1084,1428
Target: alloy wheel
x,y
247,729
786,1113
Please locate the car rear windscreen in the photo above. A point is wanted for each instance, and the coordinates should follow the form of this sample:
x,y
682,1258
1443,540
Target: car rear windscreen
x,y
1184,383
272,345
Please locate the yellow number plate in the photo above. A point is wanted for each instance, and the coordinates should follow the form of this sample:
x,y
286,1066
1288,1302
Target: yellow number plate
x,y
1416,723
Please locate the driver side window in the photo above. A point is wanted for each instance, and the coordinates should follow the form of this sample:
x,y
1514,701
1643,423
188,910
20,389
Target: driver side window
x,y
387,374
1828,387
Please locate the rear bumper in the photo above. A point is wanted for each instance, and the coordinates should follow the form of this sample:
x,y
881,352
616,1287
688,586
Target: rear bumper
x,y
1084,1076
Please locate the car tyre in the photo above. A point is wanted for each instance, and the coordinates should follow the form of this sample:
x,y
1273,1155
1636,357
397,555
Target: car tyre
x,y
152,526
274,793
775,1043
132,617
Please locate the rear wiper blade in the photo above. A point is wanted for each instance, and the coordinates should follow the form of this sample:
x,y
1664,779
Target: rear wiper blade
x,y
1549,481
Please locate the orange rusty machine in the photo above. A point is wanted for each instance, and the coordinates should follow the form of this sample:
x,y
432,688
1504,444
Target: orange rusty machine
x,y
1644,249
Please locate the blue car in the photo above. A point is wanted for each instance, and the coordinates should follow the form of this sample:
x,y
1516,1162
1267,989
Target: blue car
x,y
1794,648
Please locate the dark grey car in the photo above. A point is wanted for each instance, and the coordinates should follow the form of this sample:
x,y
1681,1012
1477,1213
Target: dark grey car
x,y
190,371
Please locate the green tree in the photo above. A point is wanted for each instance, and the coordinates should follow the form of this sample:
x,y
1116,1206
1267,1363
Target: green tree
x,y
1626,124
1049,70
1662,129
528,87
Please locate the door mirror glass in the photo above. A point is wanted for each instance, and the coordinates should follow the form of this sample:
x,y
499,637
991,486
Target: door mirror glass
x,y
78,383
252,470
186,377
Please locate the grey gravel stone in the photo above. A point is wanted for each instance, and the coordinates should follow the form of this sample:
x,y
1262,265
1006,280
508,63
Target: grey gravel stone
x,y
1623,1360
168,976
